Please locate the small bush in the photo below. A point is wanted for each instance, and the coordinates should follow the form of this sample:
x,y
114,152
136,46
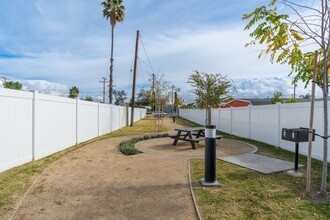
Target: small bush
x,y
146,137
127,147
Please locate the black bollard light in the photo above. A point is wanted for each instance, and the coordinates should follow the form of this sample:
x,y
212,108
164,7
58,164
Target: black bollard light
x,y
210,157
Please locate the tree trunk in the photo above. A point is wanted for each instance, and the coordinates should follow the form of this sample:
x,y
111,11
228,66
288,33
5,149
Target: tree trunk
x,y
310,135
325,132
111,66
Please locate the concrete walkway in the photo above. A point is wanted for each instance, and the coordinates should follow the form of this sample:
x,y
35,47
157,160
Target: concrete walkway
x,y
259,163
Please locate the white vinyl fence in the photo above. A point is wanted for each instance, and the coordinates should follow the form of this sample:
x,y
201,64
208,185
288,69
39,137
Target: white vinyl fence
x,y
264,123
34,125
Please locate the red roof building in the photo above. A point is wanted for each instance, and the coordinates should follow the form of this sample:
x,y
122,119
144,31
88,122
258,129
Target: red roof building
x,y
235,103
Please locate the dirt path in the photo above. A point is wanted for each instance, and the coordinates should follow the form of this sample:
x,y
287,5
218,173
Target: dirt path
x,y
98,182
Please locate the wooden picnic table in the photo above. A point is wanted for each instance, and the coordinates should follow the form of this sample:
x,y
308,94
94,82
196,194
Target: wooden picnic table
x,y
192,135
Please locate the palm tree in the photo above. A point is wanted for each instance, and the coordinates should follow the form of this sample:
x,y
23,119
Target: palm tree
x,y
114,11
73,92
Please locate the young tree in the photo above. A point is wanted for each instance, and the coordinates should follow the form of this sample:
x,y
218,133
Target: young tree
x,y
73,92
114,11
162,92
120,97
13,85
285,39
277,97
210,90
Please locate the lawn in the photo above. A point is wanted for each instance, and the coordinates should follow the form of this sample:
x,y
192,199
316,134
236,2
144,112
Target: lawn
x,y
15,182
246,194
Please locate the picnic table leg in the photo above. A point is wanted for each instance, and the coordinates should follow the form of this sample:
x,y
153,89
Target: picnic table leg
x,y
200,133
177,138
191,142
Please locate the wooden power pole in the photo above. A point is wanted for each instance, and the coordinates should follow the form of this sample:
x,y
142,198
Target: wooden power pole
x,y
134,76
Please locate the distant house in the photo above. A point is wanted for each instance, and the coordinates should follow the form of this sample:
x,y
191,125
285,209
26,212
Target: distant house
x,y
231,102
265,101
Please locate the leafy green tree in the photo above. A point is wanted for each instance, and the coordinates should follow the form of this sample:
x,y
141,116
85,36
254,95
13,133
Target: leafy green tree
x,y
13,85
291,100
89,98
277,97
178,102
120,97
285,39
188,106
143,98
114,11
307,96
73,92
209,88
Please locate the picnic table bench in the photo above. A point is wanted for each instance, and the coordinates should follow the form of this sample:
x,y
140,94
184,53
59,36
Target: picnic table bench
x,y
192,135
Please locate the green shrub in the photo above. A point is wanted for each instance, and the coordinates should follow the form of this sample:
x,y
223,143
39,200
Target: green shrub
x,y
146,137
127,147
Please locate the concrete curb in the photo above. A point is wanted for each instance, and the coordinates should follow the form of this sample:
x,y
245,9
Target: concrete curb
x,y
192,193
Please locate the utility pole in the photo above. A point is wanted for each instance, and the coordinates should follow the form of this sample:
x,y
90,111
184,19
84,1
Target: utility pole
x,y
294,90
174,104
104,81
172,100
153,93
134,76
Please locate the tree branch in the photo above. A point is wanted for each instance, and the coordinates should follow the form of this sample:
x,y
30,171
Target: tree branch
x,y
286,2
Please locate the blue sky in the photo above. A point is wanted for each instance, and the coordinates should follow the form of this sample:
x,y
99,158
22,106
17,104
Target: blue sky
x,y
53,45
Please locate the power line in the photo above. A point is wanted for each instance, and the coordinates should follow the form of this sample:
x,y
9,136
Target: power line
x,y
143,62
145,51
141,72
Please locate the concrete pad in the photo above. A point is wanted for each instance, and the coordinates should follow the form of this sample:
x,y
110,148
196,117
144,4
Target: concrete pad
x,y
210,184
294,173
259,163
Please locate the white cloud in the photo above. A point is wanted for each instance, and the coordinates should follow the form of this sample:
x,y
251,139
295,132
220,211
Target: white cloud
x,y
70,44
45,87
265,87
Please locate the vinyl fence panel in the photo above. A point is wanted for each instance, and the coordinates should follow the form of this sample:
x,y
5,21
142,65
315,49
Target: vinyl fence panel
x,y
55,124
16,124
264,123
34,125
225,120
87,120
104,119
241,121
